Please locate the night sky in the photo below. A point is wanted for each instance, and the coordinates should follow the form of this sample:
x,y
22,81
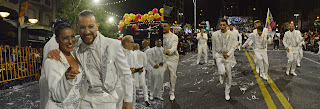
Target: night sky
x,y
212,8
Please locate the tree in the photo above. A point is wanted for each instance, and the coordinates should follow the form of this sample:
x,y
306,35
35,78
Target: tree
x,y
285,26
70,9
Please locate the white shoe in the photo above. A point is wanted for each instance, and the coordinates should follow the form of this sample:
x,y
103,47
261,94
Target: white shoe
x,y
227,97
298,65
293,73
172,97
265,77
257,69
287,72
198,62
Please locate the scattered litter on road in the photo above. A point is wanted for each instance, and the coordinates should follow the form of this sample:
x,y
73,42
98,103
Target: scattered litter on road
x,y
211,80
243,88
254,97
248,98
254,92
185,84
192,91
10,103
198,82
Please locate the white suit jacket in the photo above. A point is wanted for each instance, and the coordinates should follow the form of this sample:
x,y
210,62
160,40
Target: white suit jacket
x,y
217,44
142,59
170,42
202,39
156,56
58,92
259,42
237,35
292,39
112,66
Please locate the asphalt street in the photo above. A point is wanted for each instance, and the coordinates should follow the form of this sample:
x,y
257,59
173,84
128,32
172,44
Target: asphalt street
x,y
198,86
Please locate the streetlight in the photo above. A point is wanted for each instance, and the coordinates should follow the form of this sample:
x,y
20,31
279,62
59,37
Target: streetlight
x,y
254,9
110,19
33,21
96,1
317,17
4,14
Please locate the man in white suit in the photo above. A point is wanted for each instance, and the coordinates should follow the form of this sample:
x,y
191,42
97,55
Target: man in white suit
x,y
291,41
108,77
223,47
157,60
257,23
140,73
170,43
202,46
259,44
237,35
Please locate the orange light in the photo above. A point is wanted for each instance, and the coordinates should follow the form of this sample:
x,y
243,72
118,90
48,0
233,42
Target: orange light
x,y
291,22
317,17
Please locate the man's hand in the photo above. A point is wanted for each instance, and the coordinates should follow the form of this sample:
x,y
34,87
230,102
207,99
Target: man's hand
x,y
242,48
54,54
161,64
132,70
71,73
156,66
168,52
225,56
215,62
287,49
127,105
239,44
248,46
268,37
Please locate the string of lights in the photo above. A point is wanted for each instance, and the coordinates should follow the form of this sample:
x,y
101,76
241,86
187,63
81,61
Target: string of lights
x,y
113,3
113,14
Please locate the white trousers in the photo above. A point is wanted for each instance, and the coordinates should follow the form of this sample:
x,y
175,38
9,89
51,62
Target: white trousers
x,y
157,81
261,58
292,59
202,48
99,101
224,69
140,79
172,64
300,55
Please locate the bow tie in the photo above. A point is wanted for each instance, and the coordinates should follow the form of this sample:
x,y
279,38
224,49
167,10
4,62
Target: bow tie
x,y
85,46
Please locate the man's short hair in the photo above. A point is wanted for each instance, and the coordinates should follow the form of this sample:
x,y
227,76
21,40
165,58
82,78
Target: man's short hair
x,y
260,28
223,20
86,13
257,21
125,39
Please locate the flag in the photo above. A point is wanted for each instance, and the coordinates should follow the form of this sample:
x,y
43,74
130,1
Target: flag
x,y
23,10
269,21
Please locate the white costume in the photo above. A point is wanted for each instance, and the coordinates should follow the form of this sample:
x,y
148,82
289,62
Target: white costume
x,y
131,58
108,77
238,36
224,43
170,42
260,52
202,47
140,78
155,57
300,52
265,31
292,41
59,92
